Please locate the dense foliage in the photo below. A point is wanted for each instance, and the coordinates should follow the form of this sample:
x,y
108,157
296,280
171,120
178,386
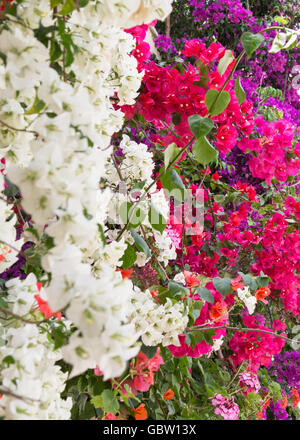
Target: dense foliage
x,y
149,234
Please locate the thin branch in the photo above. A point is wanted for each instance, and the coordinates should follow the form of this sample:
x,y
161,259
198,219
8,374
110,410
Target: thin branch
x,y
154,251
153,183
117,166
17,396
27,321
17,129
244,329
14,248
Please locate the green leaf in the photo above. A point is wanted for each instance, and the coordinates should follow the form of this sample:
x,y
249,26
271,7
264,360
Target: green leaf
x,y
129,257
3,303
140,243
55,51
291,41
54,3
262,281
278,42
176,118
280,19
41,33
132,214
225,61
149,351
176,288
216,102
249,281
109,401
97,401
200,126
11,190
173,184
208,334
205,294
170,153
203,151
176,179
223,285
251,42
8,360
68,7
156,219
204,70
239,91
37,107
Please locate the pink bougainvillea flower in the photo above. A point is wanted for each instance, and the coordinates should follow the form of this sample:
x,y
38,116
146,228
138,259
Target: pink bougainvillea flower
x,y
110,416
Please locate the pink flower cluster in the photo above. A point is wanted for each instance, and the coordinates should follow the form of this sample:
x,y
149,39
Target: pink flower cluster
x,y
257,348
168,92
280,259
225,407
142,372
211,315
274,154
249,381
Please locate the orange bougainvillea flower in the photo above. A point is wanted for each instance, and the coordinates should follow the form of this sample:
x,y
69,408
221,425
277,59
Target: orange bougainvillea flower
x,y
262,293
236,283
294,397
218,311
191,279
154,293
45,309
259,415
168,395
283,402
140,413
126,273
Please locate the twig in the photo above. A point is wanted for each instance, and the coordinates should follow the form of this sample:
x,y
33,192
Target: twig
x,y
17,129
14,248
117,166
153,183
153,254
244,329
17,396
27,321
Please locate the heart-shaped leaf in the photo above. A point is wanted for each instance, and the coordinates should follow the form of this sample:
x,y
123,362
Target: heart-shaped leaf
x,y
216,102
251,42
203,151
223,285
200,126
205,294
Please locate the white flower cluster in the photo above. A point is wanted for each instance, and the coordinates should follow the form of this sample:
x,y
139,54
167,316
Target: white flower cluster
x,y
55,136
248,299
158,323
137,164
32,380
127,13
101,312
8,235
